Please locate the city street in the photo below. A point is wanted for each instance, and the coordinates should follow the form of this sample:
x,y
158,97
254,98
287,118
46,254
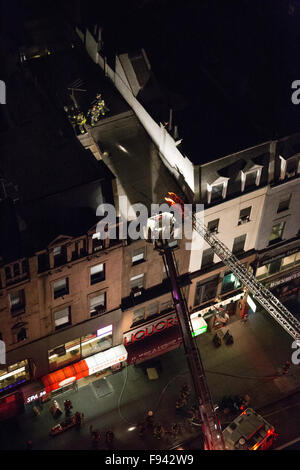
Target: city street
x,y
251,365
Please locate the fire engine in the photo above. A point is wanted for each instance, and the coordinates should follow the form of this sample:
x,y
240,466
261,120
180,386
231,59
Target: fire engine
x,y
249,431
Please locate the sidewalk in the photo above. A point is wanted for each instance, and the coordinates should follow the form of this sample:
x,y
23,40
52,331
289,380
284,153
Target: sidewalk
x,y
253,364
102,412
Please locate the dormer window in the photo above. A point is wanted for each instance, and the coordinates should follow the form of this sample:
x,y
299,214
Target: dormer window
x,y
289,167
251,177
217,190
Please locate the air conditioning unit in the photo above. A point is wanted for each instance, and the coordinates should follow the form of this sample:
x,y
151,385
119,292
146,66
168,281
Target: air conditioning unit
x,y
244,220
136,291
214,230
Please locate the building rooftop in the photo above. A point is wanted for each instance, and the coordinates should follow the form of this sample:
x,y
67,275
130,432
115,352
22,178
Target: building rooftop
x,y
232,64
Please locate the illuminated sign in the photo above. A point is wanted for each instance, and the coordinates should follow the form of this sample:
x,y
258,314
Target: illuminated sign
x,y
150,329
199,326
251,303
67,381
107,330
36,396
284,279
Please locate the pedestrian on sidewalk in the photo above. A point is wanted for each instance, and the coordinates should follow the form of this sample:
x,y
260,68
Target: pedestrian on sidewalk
x,y
141,428
180,404
185,392
158,431
150,420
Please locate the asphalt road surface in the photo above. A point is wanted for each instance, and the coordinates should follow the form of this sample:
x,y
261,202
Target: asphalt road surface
x,y
285,416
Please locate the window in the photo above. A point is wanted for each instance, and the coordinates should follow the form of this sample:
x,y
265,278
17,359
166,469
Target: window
x,y
284,204
97,342
98,304
251,178
230,282
62,318
14,375
216,192
207,258
274,267
239,244
97,273
206,290
64,354
21,334
291,167
152,309
262,271
277,232
98,243
60,255
213,226
217,189
138,315
166,306
244,216
137,282
17,302
61,287
138,256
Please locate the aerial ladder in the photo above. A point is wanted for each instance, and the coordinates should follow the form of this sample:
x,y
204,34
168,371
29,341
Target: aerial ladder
x,y
213,436
266,299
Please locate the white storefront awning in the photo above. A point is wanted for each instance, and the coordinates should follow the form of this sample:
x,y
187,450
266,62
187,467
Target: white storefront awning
x,y
106,359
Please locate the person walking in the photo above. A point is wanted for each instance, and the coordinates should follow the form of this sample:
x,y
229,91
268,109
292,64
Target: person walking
x,y
150,420
141,428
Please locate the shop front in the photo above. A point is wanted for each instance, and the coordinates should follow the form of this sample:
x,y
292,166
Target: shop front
x,y
152,339
275,264
80,348
110,359
13,376
217,315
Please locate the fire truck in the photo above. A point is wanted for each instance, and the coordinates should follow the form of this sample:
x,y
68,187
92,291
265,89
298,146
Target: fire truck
x,y
249,431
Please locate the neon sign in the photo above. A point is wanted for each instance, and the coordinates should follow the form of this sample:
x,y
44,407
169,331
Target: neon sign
x,y
152,328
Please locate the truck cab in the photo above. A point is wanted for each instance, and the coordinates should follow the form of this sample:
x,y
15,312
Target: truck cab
x,y
249,431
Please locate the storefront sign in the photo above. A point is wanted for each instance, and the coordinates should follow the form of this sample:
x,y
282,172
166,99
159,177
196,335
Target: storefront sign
x,y
154,346
151,328
284,279
268,260
34,397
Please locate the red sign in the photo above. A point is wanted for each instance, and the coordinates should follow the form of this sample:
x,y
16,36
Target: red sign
x,y
145,331
152,347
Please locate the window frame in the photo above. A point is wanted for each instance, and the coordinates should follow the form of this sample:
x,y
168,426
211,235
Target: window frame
x,y
95,278
61,292
64,325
